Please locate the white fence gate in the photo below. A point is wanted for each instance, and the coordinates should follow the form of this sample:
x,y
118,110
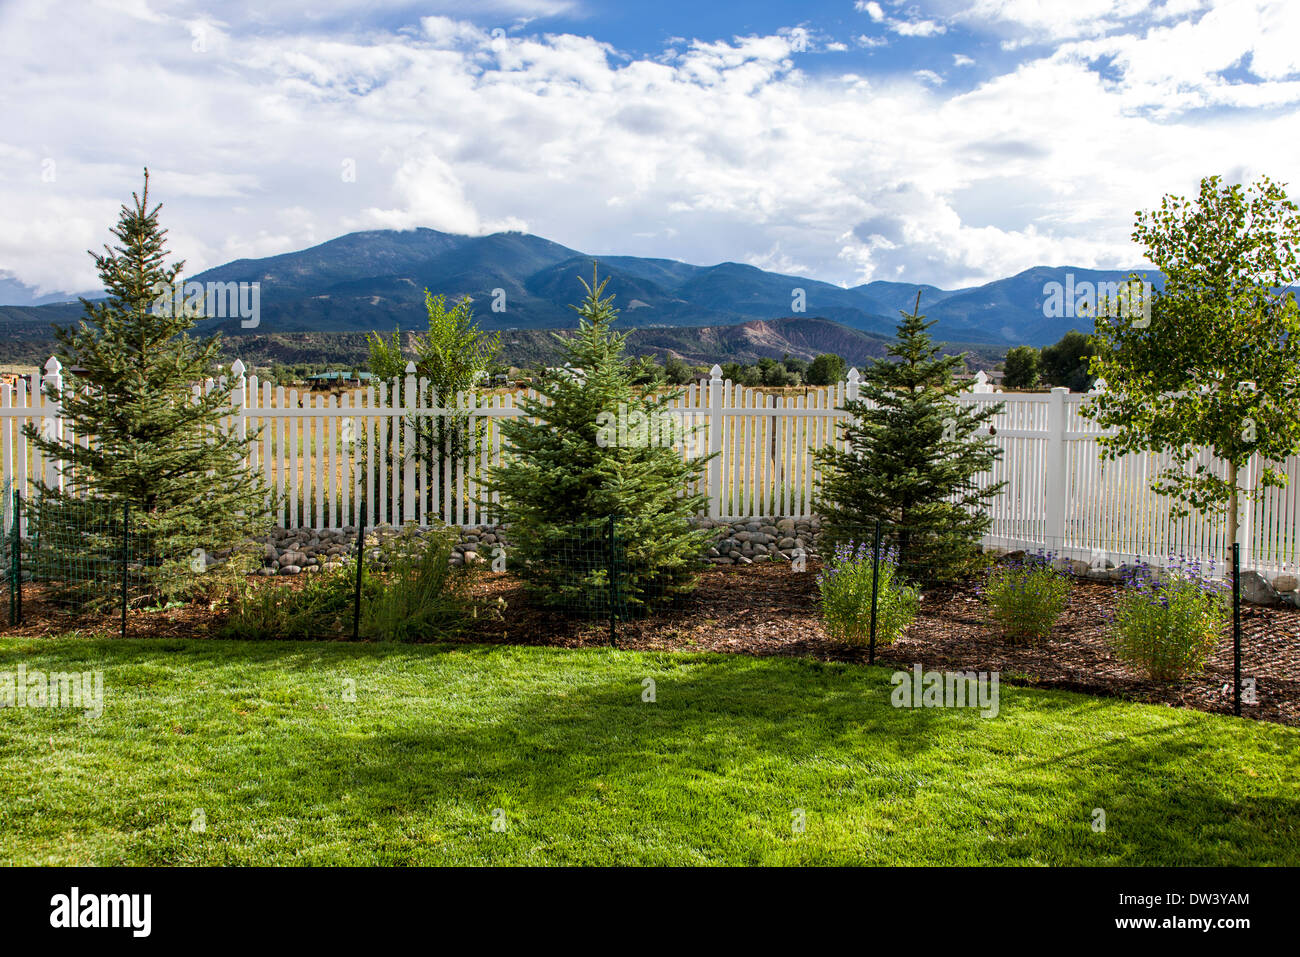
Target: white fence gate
x,y
328,456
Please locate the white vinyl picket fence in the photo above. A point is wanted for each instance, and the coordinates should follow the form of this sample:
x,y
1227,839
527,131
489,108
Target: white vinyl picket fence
x,y
330,456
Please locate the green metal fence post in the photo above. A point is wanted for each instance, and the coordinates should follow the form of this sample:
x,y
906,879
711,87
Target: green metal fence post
x,y
875,592
361,548
126,526
613,588
16,562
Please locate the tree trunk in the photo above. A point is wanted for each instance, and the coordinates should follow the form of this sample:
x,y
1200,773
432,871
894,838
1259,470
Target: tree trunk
x,y
1233,507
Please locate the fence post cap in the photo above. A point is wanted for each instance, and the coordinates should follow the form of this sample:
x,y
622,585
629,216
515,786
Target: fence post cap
x,y
53,366
854,374
237,369
716,371
410,368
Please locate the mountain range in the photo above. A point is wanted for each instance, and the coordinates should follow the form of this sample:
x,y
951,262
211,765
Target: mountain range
x,y
375,280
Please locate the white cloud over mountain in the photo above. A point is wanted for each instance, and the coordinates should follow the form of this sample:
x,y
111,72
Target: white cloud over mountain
x,y
268,130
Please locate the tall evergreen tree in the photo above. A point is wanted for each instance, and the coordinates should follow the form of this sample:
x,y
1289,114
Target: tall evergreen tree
x,y
913,459
593,444
130,368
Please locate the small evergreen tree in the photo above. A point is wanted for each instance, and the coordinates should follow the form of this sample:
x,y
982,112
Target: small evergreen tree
x,y
912,461
592,445
130,371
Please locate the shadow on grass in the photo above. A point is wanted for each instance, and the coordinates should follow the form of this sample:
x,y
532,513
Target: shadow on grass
x,y
452,729
1183,793
719,725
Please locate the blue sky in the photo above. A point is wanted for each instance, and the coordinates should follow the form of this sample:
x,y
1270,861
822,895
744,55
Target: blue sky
x,y
862,42
941,141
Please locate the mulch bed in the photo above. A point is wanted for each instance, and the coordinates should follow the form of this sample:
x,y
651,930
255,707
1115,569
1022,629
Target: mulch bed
x,y
770,610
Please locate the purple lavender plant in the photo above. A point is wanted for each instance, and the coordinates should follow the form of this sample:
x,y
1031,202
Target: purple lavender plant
x,y
1167,621
1026,595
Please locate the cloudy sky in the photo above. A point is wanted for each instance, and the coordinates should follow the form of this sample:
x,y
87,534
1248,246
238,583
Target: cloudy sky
x,y
943,141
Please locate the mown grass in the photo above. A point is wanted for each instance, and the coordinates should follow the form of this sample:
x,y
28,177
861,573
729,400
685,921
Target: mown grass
x,y
714,771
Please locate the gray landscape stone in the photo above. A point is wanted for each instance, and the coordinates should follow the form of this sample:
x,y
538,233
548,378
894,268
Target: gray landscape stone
x,y
1256,589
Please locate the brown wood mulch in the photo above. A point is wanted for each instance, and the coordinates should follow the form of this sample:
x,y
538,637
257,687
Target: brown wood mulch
x,y
771,610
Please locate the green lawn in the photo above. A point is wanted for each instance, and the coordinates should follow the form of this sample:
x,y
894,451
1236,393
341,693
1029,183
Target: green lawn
x,y
714,772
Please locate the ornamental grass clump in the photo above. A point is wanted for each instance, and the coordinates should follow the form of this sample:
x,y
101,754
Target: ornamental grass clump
x,y
422,596
320,606
412,593
845,587
1168,623
1025,596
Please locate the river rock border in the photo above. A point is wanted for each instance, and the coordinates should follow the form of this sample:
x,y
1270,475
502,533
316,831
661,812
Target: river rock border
x,y
293,551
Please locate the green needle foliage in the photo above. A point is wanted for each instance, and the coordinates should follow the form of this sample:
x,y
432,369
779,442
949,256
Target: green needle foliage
x,y
567,464
1217,362
913,460
130,368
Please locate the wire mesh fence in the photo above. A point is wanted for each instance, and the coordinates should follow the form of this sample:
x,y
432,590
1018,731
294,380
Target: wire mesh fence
x,y
88,555
582,570
99,558
411,583
610,569
1158,616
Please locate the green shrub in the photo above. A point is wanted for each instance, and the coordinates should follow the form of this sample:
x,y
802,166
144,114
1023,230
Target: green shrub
x,y
845,587
1026,596
1168,625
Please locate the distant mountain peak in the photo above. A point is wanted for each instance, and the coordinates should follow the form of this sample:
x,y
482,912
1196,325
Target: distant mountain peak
x,y
375,280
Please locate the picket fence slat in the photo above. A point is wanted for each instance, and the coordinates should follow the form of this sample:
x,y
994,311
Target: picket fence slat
x,y
331,461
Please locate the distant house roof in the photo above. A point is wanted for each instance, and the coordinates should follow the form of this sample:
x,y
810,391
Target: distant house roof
x,y
338,377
